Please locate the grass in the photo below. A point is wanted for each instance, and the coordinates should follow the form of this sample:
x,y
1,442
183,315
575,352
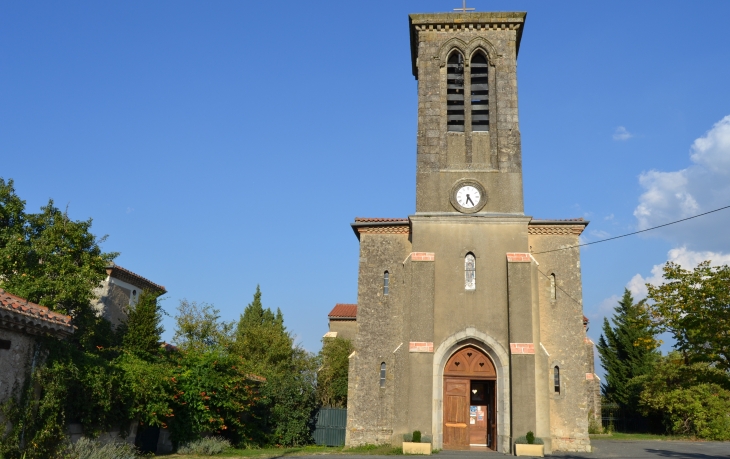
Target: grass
x,y
641,436
264,453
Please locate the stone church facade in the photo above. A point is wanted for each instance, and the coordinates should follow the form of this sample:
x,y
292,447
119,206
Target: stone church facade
x,y
470,325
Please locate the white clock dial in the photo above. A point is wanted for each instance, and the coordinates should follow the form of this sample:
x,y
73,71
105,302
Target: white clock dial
x,y
468,196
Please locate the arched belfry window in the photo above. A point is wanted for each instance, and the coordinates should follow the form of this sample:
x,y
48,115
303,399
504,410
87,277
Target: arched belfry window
x,y
556,377
455,92
553,287
386,282
470,272
479,70
382,374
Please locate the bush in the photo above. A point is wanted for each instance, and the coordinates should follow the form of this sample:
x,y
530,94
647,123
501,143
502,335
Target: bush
x,y
525,440
416,436
91,449
205,446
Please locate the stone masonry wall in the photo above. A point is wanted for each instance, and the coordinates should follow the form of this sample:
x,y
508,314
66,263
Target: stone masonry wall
x,y
563,335
380,319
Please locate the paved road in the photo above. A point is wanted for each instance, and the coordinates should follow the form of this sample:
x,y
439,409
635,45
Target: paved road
x,y
614,449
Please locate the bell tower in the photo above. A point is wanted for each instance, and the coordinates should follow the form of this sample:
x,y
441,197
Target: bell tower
x,y
468,130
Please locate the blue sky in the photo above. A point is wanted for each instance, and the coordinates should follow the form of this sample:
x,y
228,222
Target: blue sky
x,y
222,145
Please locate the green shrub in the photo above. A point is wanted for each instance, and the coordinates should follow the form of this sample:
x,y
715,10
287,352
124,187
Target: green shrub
x,y
205,446
416,436
530,437
91,449
408,437
524,440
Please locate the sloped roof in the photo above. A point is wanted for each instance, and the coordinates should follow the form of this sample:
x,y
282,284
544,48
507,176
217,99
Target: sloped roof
x,y
123,274
343,311
19,314
373,220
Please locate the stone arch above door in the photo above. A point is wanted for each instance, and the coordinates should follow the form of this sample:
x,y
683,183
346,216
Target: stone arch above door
x,y
470,336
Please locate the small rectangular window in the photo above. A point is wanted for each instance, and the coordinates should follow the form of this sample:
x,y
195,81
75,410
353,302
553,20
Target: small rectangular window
x,y
382,375
4,344
386,283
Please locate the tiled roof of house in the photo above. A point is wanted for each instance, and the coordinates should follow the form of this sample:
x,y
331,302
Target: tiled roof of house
x,y
343,311
19,314
554,220
114,270
377,220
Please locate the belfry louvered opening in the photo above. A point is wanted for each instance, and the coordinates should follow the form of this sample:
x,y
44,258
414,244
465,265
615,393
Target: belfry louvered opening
x,y
479,92
455,92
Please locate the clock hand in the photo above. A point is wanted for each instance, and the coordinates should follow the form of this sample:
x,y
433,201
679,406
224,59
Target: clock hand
x,y
468,199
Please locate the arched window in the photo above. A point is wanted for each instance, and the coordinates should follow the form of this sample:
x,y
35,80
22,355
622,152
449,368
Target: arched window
x,y
386,282
556,377
470,272
455,92
553,288
479,92
382,375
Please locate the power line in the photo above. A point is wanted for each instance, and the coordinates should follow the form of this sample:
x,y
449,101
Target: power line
x,y
631,234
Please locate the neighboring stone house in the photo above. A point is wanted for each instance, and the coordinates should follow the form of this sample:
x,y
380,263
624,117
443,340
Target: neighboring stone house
x,y
121,289
21,322
469,312
342,322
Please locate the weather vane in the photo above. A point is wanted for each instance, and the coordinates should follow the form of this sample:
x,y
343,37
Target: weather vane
x,y
463,8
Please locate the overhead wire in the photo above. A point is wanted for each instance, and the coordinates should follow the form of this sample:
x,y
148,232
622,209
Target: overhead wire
x,y
631,234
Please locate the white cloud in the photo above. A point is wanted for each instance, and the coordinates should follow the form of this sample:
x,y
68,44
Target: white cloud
x,y
622,134
684,257
600,234
701,187
608,217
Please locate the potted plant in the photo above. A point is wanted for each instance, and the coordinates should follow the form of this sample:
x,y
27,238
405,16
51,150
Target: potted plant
x,y
416,444
529,445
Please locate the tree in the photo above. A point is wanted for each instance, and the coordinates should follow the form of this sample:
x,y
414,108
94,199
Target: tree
x,y
627,350
143,329
51,260
332,374
198,326
694,306
691,400
288,397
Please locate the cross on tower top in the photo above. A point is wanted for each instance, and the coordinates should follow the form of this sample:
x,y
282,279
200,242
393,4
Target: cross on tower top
x,y
463,8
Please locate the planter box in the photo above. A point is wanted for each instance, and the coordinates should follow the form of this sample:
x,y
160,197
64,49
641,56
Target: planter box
x,y
416,448
529,450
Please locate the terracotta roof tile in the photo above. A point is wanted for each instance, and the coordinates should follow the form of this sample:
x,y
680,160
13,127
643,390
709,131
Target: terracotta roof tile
x,y
20,314
558,219
126,275
344,311
374,220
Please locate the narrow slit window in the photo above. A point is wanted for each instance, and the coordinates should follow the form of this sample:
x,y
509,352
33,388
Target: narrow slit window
x,y
553,289
470,272
386,282
479,70
455,92
556,377
382,375
4,344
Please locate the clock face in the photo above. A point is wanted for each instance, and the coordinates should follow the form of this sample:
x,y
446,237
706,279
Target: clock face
x,y
468,196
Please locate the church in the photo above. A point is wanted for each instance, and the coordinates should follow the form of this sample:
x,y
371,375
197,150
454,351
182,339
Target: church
x,y
469,319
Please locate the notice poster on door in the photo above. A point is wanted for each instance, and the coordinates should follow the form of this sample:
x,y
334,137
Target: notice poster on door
x,y
480,413
473,414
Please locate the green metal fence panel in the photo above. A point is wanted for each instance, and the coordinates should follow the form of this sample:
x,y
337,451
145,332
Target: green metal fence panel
x,y
330,424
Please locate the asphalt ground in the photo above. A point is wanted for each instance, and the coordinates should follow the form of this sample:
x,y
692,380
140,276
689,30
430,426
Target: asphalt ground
x,y
644,449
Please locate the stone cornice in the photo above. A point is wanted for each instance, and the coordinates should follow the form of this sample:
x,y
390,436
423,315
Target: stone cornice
x,y
457,22
557,227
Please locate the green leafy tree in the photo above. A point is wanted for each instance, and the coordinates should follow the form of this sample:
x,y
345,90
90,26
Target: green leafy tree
x,y
692,400
54,261
142,332
333,370
694,306
198,327
288,397
627,349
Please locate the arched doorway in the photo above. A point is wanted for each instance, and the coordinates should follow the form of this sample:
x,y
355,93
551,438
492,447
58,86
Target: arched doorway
x,y
469,400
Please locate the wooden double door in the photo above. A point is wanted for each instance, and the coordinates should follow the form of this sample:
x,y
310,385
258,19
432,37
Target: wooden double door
x,y
470,417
